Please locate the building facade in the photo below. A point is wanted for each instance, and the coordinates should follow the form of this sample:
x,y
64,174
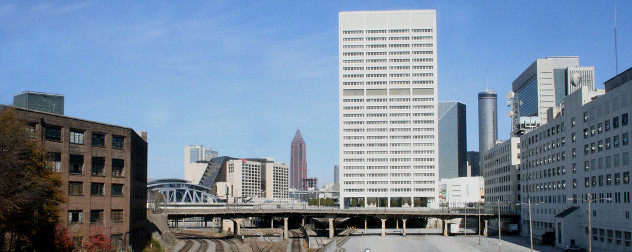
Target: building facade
x,y
388,107
545,83
487,120
582,154
465,191
452,140
298,162
196,158
103,171
500,168
473,164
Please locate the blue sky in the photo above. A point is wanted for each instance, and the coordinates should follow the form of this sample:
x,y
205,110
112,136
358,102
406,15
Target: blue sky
x,y
240,76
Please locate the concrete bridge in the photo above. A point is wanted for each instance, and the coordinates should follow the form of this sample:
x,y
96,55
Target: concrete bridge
x,y
333,215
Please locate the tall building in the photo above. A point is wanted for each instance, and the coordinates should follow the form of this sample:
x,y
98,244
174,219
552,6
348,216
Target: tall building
x,y
298,162
452,140
45,102
196,158
487,120
388,108
241,179
336,174
103,171
543,85
473,164
582,154
311,183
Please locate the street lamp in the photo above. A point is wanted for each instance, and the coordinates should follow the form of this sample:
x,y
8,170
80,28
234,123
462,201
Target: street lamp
x,y
530,222
500,226
590,200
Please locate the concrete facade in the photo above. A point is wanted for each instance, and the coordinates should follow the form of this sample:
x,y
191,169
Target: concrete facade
x,y
388,107
196,158
500,168
103,169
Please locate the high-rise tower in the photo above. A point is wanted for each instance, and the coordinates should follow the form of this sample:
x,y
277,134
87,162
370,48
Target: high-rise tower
x,y
298,163
388,108
487,120
452,140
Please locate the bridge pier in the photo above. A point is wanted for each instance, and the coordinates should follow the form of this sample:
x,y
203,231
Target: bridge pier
x,y
404,225
383,227
365,226
285,234
331,228
303,222
272,222
237,226
485,230
445,228
397,224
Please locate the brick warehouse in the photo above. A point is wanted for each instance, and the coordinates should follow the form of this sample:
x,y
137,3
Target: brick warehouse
x,y
104,175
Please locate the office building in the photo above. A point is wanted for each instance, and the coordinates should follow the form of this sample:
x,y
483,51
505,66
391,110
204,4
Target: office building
x,y
103,170
465,191
388,107
196,158
543,85
582,153
473,164
452,140
244,179
45,102
298,162
336,173
500,168
311,183
487,120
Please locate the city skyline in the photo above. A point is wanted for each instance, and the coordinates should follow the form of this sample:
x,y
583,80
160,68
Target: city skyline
x,y
212,59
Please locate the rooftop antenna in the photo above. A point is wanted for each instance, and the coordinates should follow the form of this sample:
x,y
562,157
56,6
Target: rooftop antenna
x,y
616,54
487,78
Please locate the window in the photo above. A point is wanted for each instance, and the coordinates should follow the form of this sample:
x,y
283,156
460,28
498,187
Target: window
x,y
573,122
607,143
592,130
574,183
615,122
75,188
599,128
54,161
117,215
624,119
117,189
53,133
626,177
607,125
96,216
96,189
76,136
573,137
586,116
625,139
609,179
617,178
75,216
98,165
98,140
118,169
586,182
585,133
76,164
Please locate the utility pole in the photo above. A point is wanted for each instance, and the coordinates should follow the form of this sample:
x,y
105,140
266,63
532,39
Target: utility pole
x,y
479,223
499,228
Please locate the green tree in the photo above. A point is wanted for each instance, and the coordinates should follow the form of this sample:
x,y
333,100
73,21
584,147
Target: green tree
x,y
30,192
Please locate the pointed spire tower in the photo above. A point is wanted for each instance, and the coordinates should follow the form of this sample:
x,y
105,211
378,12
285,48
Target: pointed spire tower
x,y
298,162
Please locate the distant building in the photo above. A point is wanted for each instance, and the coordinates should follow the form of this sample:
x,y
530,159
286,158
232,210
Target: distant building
x,y
51,103
500,168
311,183
243,179
473,164
298,162
544,84
487,120
336,173
196,158
103,170
452,140
462,191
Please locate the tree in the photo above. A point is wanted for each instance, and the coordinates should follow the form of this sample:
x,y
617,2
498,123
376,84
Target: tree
x,y
30,192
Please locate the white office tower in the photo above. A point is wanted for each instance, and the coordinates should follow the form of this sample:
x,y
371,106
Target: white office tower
x,y
196,158
388,108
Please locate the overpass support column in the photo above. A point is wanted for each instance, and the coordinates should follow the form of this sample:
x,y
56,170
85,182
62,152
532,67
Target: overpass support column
x,y
331,228
404,225
383,227
445,228
238,226
485,230
272,222
365,226
285,234
303,222
397,224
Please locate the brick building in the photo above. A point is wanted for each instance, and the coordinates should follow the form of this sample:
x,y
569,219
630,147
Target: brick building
x,y
104,175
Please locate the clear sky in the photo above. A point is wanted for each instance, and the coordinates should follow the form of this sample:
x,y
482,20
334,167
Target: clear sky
x,y
240,76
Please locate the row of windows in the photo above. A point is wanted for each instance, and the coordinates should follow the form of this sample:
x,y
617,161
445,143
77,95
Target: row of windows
x,y
76,165
346,61
76,136
96,216
75,188
381,68
384,31
387,45
390,99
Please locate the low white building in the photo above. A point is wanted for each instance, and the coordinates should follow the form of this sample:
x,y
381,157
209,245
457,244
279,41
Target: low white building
x,y
463,190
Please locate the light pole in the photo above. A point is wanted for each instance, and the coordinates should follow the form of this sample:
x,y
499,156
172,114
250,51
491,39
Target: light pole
x,y
479,223
499,227
530,221
589,200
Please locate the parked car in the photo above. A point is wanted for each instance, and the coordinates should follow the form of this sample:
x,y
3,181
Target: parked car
x,y
574,248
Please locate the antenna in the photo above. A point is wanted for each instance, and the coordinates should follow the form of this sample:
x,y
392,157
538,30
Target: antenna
x,y
616,54
487,79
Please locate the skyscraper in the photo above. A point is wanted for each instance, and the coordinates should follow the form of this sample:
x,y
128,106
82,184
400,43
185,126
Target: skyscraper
x,y
388,108
487,120
298,162
452,140
196,158
544,84
336,174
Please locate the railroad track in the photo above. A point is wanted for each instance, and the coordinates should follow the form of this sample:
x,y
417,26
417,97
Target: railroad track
x,y
203,245
219,247
188,244
296,245
233,245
